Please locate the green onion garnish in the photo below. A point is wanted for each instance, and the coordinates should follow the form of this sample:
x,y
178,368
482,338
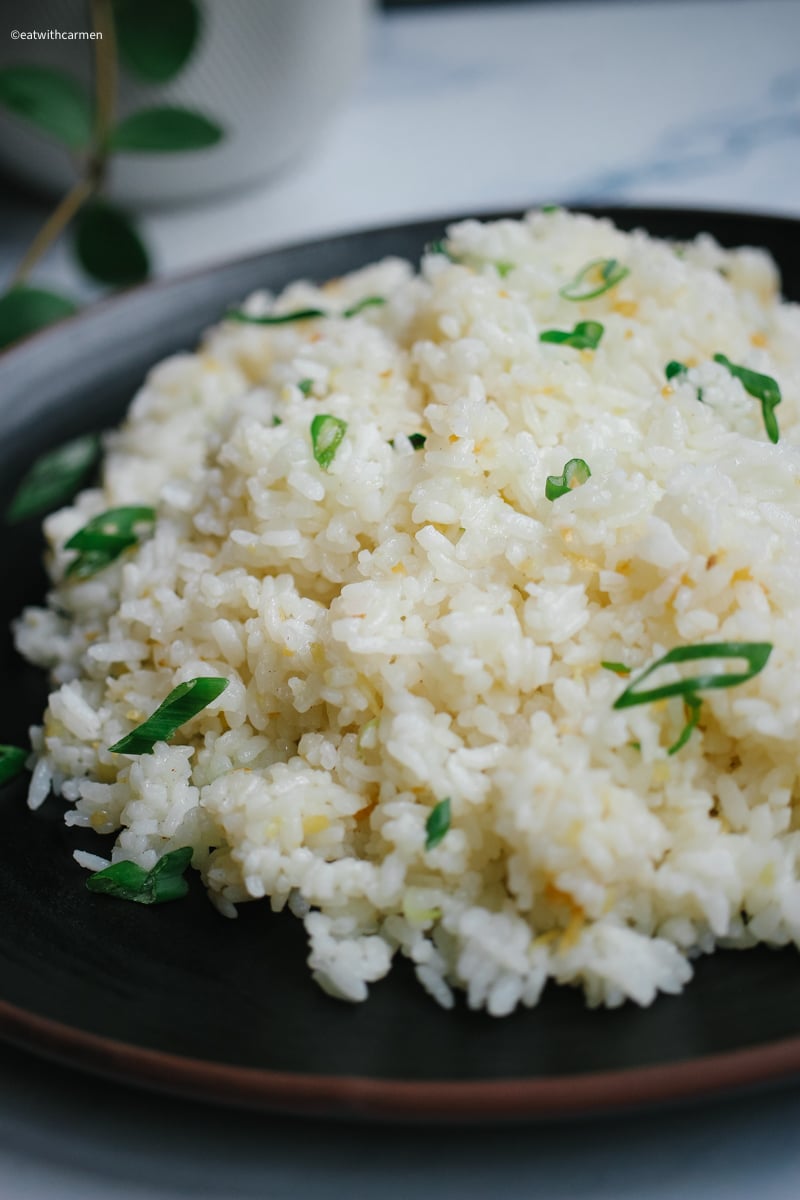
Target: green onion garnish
x,y
550,208
597,277
54,478
300,314
756,655
161,883
576,472
326,435
417,440
675,369
367,302
305,386
104,538
585,336
761,387
504,267
692,704
617,667
12,762
276,421
678,370
441,247
437,823
184,702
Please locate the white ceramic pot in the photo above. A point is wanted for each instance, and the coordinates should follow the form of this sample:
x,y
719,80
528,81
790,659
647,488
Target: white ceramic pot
x,y
271,72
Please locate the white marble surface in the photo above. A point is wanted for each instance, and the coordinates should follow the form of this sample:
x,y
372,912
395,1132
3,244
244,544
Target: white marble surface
x,y
694,102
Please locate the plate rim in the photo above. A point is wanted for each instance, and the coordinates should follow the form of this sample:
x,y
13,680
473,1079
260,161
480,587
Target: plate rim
x,y
357,1096
361,1097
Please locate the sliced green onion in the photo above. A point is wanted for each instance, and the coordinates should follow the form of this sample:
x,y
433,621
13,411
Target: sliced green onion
x,y
184,702
761,387
693,704
617,667
441,247
755,654
503,266
678,370
549,208
276,421
575,472
417,440
367,302
300,314
54,478
104,538
305,386
127,881
597,277
438,823
326,435
12,762
585,336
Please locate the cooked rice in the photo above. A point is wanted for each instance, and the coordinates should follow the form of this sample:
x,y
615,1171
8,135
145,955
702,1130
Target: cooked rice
x,y
411,625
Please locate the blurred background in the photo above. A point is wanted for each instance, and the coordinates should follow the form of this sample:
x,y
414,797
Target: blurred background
x,y
331,115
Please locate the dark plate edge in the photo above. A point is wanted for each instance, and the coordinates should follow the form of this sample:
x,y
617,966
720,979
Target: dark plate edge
x,y
399,1099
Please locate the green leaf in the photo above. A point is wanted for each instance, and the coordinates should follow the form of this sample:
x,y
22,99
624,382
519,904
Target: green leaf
x,y
127,881
761,387
104,538
326,435
597,277
585,336
25,309
54,478
50,99
164,130
184,702
108,247
438,823
575,473
156,37
12,762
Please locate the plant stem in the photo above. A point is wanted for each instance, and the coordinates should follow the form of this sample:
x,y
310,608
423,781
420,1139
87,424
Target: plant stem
x,y
105,83
55,224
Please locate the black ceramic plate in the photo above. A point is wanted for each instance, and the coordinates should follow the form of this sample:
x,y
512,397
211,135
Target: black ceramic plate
x,y
176,997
